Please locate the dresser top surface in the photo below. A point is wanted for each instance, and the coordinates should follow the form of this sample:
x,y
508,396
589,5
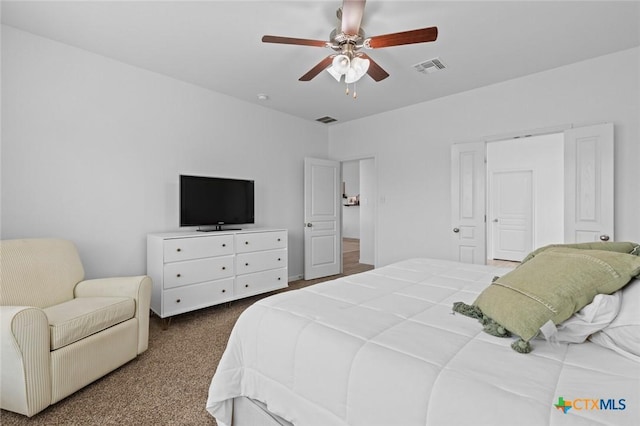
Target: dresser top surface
x,y
199,234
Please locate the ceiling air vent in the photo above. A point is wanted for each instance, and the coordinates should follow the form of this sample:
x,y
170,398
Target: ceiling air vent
x,y
432,65
326,119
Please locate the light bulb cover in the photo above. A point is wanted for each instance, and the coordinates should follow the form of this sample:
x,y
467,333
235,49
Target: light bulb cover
x,y
351,76
341,64
358,68
334,74
361,65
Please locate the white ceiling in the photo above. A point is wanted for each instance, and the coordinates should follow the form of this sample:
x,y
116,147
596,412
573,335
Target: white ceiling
x,y
217,44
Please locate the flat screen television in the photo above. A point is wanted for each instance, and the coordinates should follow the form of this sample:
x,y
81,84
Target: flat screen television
x,y
211,202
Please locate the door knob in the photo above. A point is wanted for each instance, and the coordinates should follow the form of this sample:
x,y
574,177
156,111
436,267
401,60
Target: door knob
x,y
495,220
604,237
309,225
456,230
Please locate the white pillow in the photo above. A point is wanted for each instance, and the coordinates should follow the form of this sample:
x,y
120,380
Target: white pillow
x,y
623,334
592,318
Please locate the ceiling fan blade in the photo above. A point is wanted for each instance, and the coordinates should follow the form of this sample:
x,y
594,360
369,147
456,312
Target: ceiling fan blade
x,y
352,11
322,65
375,71
406,37
291,40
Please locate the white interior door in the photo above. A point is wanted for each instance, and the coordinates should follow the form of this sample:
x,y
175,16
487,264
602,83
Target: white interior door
x,y
468,202
589,184
322,232
511,213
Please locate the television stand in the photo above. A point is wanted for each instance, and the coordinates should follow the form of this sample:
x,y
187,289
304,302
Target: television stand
x,y
218,228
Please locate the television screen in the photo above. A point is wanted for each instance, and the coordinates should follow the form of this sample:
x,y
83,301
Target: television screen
x,y
206,201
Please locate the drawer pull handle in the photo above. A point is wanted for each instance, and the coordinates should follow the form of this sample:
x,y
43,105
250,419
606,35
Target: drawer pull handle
x,y
246,285
246,243
279,278
279,259
224,245
278,239
177,300
224,290
178,249
246,264
178,275
224,267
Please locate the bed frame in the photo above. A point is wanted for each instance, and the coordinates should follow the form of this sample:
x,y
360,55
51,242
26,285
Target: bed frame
x,y
248,412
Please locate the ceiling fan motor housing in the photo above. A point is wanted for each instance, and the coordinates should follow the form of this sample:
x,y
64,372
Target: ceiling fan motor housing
x,y
345,43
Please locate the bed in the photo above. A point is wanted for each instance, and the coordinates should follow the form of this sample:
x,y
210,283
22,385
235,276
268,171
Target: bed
x,y
384,347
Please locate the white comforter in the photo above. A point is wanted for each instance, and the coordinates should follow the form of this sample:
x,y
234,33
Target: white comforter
x,y
383,348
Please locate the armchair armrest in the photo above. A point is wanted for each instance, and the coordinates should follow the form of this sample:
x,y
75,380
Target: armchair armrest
x,y
138,288
25,379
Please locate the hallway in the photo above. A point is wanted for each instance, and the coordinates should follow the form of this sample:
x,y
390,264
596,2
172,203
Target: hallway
x,y
351,257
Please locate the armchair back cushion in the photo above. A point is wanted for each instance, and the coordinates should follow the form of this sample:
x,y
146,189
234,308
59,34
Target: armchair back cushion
x,y
38,272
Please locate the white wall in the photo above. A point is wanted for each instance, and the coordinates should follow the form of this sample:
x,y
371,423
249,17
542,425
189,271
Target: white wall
x,y
92,149
414,171
544,156
351,214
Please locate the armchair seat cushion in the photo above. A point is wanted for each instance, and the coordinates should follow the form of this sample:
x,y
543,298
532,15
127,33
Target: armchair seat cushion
x,y
83,316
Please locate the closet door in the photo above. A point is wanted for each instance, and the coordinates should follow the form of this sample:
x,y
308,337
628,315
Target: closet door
x,y
589,184
468,202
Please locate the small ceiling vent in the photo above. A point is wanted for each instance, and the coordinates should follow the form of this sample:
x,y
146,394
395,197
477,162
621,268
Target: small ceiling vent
x,y
326,119
430,66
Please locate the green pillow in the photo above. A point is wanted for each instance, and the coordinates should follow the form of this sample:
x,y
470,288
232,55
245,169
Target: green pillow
x,y
622,247
553,285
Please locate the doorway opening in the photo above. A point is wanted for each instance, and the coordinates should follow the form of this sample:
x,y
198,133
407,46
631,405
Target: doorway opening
x,y
525,195
358,215
351,257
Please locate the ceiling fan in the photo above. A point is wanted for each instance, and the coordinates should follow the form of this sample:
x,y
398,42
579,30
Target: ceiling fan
x,y
347,40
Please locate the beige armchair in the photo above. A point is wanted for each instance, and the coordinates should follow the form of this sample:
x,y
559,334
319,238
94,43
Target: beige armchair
x,y
59,333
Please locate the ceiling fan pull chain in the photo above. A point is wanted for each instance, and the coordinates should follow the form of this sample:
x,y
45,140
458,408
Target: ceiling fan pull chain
x,y
346,92
355,94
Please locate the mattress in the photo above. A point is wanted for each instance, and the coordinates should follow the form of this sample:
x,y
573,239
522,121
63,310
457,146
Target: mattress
x,y
384,348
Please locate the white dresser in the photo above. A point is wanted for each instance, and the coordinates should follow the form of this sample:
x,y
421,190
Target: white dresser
x,y
193,270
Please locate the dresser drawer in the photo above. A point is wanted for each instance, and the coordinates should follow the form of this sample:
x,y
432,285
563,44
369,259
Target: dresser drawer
x,y
188,298
261,241
177,274
247,285
197,247
247,263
